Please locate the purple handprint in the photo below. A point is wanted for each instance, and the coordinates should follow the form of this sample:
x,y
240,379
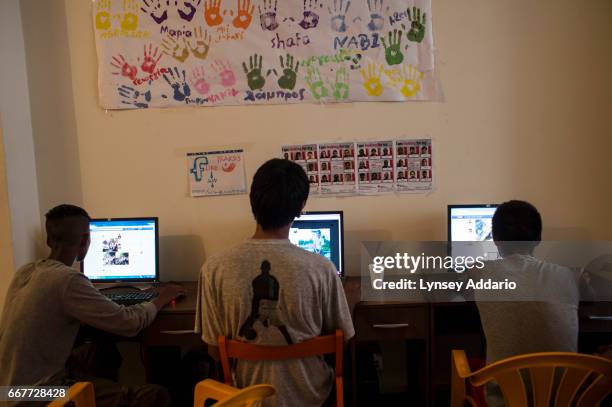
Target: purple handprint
x,y
267,17
157,9
190,6
310,17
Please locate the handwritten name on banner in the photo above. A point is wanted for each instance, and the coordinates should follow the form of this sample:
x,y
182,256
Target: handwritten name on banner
x,y
158,53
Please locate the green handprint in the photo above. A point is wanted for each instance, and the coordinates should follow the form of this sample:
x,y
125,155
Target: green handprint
x,y
315,83
253,73
341,87
417,26
287,81
393,53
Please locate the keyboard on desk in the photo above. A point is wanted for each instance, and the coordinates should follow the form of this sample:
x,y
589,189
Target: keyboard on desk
x,y
130,298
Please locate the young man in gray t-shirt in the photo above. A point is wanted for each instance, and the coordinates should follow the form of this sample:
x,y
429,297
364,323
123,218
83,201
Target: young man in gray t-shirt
x,y
268,291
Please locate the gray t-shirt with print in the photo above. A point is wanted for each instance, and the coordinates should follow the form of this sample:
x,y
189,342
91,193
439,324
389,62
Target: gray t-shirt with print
x,y
273,293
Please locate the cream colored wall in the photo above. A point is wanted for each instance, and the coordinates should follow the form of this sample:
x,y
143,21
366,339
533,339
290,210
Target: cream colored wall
x,y
526,115
6,241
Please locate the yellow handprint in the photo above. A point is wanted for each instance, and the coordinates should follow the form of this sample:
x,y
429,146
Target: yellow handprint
x,y
129,22
409,81
371,79
103,17
202,43
174,49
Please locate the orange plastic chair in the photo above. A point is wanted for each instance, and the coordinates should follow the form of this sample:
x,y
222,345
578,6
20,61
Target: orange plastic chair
x,y
321,345
228,396
81,394
585,379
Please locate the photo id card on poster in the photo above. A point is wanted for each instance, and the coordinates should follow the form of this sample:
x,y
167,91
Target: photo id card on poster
x,y
216,173
306,155
337,168
375,167
414,165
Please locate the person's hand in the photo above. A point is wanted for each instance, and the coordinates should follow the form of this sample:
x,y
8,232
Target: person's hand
x,y
167,293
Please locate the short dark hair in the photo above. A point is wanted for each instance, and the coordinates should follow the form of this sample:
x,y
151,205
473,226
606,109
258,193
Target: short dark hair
x,y
279,189
60,223
517,221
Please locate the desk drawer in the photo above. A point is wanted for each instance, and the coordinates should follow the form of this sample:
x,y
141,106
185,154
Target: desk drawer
x,y
171,330
391,322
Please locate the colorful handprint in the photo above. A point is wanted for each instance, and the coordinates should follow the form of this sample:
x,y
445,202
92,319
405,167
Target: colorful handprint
x,y
225,72
289,77
124,68
409,81
267,17
187,9
179,85
133,97
310,17
338,13
199,80
244,14
371,79
377,20
417,25
103,17
315,83
150,60
340,88
129,21
255,78
212,12
202,43
174,49
393,52
157,9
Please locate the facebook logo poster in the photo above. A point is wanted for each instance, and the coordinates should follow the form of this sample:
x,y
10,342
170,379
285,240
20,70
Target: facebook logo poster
x,y
216,173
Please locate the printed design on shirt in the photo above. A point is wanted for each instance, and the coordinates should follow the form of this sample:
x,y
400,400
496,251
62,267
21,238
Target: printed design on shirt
x,y
264,307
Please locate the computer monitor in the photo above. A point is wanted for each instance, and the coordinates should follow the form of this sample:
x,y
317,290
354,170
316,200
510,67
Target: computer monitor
x,y
122,250
323,233
471,223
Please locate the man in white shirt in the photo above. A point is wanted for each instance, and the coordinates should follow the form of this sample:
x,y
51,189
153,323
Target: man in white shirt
x,y
268,291
46,303
546,318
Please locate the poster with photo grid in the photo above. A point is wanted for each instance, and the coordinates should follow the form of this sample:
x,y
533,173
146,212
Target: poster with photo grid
x,y
414,170
337,168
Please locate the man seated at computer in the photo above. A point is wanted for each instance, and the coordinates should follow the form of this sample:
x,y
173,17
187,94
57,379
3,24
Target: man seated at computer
x,y
269,291
547,321
46,303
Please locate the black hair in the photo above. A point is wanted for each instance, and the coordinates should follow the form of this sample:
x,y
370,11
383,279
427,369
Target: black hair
x,y
60,223
517,221
279,189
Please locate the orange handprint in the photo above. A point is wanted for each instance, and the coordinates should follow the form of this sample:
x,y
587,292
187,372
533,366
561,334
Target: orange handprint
x,y
244,14
212,12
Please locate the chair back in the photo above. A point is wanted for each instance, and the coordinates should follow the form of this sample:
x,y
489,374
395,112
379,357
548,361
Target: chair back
x,y
228,396
321,345
563,378
81,394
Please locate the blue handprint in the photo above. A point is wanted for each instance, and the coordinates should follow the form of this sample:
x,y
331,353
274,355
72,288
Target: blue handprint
x,y
338,13
178,84
133,97
377,21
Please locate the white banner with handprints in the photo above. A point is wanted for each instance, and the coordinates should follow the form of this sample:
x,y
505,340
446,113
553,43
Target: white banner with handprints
x,y
216,173
162,53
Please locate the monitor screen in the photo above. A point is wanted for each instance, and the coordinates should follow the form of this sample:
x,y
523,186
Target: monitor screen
x,y
322,233
122,250
470,223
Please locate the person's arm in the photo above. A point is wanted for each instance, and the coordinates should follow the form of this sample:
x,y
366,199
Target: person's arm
x,y
209,315
336,312
84,302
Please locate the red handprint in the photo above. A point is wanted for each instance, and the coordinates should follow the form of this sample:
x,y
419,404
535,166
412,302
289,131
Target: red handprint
x,y
244,14
150,62
212,12
125,69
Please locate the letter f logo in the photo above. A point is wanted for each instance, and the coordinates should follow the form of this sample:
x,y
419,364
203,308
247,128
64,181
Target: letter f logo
x,y
199,165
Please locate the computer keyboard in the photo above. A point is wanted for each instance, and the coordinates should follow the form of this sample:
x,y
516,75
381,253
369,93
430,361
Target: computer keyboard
x,y
130,298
